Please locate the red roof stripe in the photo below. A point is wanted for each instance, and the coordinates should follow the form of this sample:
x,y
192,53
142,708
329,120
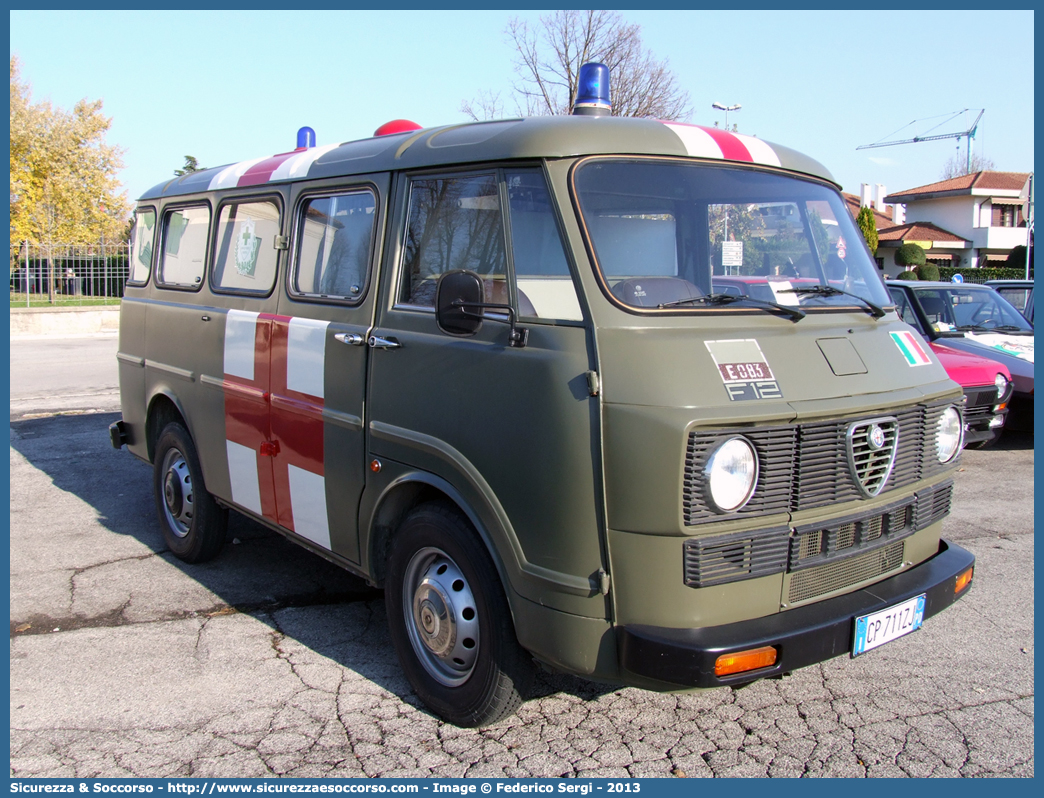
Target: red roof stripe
x,y
732,148
261,172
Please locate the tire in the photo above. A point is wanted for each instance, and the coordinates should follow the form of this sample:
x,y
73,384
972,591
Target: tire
x,y
450,621
193,524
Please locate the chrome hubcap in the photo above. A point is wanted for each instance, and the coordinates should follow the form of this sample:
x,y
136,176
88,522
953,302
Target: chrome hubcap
x,y
177,493
441,616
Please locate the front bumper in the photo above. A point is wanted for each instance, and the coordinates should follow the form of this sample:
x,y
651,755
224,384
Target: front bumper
x,y
980,430
802,636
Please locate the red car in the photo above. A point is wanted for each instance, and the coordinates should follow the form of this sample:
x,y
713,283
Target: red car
x,y
987,389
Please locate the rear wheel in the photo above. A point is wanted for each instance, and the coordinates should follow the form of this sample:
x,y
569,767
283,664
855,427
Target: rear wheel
x,y
193,523
450,622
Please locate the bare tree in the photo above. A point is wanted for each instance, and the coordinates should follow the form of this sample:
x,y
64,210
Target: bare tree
x,y
548,57
486,106
957,165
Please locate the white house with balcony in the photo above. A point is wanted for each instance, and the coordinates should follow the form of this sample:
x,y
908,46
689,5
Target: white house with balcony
x,y
967,221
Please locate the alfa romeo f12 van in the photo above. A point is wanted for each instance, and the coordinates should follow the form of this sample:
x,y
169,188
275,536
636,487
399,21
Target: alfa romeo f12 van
x,y
491,368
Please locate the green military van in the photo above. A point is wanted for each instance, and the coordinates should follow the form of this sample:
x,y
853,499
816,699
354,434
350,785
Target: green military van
x,y
503,371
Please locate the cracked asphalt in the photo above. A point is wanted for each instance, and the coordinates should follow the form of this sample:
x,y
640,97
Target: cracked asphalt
x,y
269,661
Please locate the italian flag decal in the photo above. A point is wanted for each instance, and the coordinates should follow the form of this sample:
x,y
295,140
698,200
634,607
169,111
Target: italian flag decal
x,y
911,348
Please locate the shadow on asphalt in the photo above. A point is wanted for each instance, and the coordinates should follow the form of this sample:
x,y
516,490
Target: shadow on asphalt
x,y
258,572
1013,441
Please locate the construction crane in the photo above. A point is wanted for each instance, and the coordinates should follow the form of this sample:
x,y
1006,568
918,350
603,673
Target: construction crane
x,y
970,133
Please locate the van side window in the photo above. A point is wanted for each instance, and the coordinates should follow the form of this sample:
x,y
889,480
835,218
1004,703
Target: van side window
x,y
334,245
184,247
142,237
245,258
454,223
545,287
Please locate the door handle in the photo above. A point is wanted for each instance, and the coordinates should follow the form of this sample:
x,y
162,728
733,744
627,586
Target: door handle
x,y
376,342
352,339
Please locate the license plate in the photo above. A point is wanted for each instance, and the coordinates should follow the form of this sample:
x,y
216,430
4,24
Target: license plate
x,y
884,626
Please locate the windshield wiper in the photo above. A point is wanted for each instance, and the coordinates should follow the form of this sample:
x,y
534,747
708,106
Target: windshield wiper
x,y
828,290
1006,328
727,299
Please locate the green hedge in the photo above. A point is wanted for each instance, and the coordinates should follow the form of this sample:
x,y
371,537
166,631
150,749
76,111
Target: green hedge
x,y
983,274
928,272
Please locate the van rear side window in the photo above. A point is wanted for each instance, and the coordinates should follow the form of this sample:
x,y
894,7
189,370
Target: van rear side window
x,y
334,246
184,247
143,235
245,257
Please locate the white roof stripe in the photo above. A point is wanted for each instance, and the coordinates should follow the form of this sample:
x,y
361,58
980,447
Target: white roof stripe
x,y
299,165
698,143
759,150
229,176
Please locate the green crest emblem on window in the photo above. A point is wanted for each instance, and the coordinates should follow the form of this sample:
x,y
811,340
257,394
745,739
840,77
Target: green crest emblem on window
x,y
247,245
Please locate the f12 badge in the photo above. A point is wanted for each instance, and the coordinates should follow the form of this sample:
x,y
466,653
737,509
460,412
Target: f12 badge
x,y
744,370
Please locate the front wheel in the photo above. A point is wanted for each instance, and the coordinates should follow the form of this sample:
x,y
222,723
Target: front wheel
x,y
193,523
450,622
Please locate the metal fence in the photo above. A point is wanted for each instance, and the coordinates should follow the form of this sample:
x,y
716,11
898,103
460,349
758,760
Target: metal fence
x,y
45,275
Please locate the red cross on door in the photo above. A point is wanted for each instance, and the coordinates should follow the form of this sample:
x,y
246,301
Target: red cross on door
x,y
274,388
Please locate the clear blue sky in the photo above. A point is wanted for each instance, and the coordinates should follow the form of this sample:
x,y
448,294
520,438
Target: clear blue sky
x,y
227,86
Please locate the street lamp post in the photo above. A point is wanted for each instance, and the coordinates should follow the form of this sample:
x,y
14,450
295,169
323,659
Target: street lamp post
x,y
726,109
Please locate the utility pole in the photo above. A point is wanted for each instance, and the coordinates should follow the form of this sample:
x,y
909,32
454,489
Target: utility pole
x,y
1029,227
726,109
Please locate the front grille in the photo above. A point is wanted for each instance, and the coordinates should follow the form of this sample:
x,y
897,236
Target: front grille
x,y
805,466
979,405
871,451
815,545
933,504
775,447
825,549
983,397
731,558
805,585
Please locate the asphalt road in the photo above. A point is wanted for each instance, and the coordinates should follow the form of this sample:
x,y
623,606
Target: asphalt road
x,y
270,661
64,374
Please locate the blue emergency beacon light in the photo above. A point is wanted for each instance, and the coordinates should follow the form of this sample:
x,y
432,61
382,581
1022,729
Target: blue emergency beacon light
x,y
305,138
592,91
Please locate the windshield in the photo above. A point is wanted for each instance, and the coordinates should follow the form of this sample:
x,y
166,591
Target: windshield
x,y
965,308
665,233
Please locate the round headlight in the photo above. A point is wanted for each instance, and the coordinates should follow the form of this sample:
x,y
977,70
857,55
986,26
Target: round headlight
x,y
1002,385
731,474
949,435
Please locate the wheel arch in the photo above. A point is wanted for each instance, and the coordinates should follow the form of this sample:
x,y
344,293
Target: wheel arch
x,y
163,409
407,491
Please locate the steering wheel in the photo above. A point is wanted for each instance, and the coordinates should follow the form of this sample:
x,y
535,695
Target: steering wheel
x,y
982,323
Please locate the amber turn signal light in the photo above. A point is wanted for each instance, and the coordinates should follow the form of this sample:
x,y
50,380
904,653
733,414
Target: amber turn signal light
x,y
963,580
741,661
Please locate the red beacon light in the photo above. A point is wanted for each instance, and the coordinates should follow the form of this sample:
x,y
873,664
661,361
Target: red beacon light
x,y
305,138
396,126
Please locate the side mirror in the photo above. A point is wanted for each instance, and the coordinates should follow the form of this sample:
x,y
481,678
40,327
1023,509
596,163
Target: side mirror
x,y
458,296
459,307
